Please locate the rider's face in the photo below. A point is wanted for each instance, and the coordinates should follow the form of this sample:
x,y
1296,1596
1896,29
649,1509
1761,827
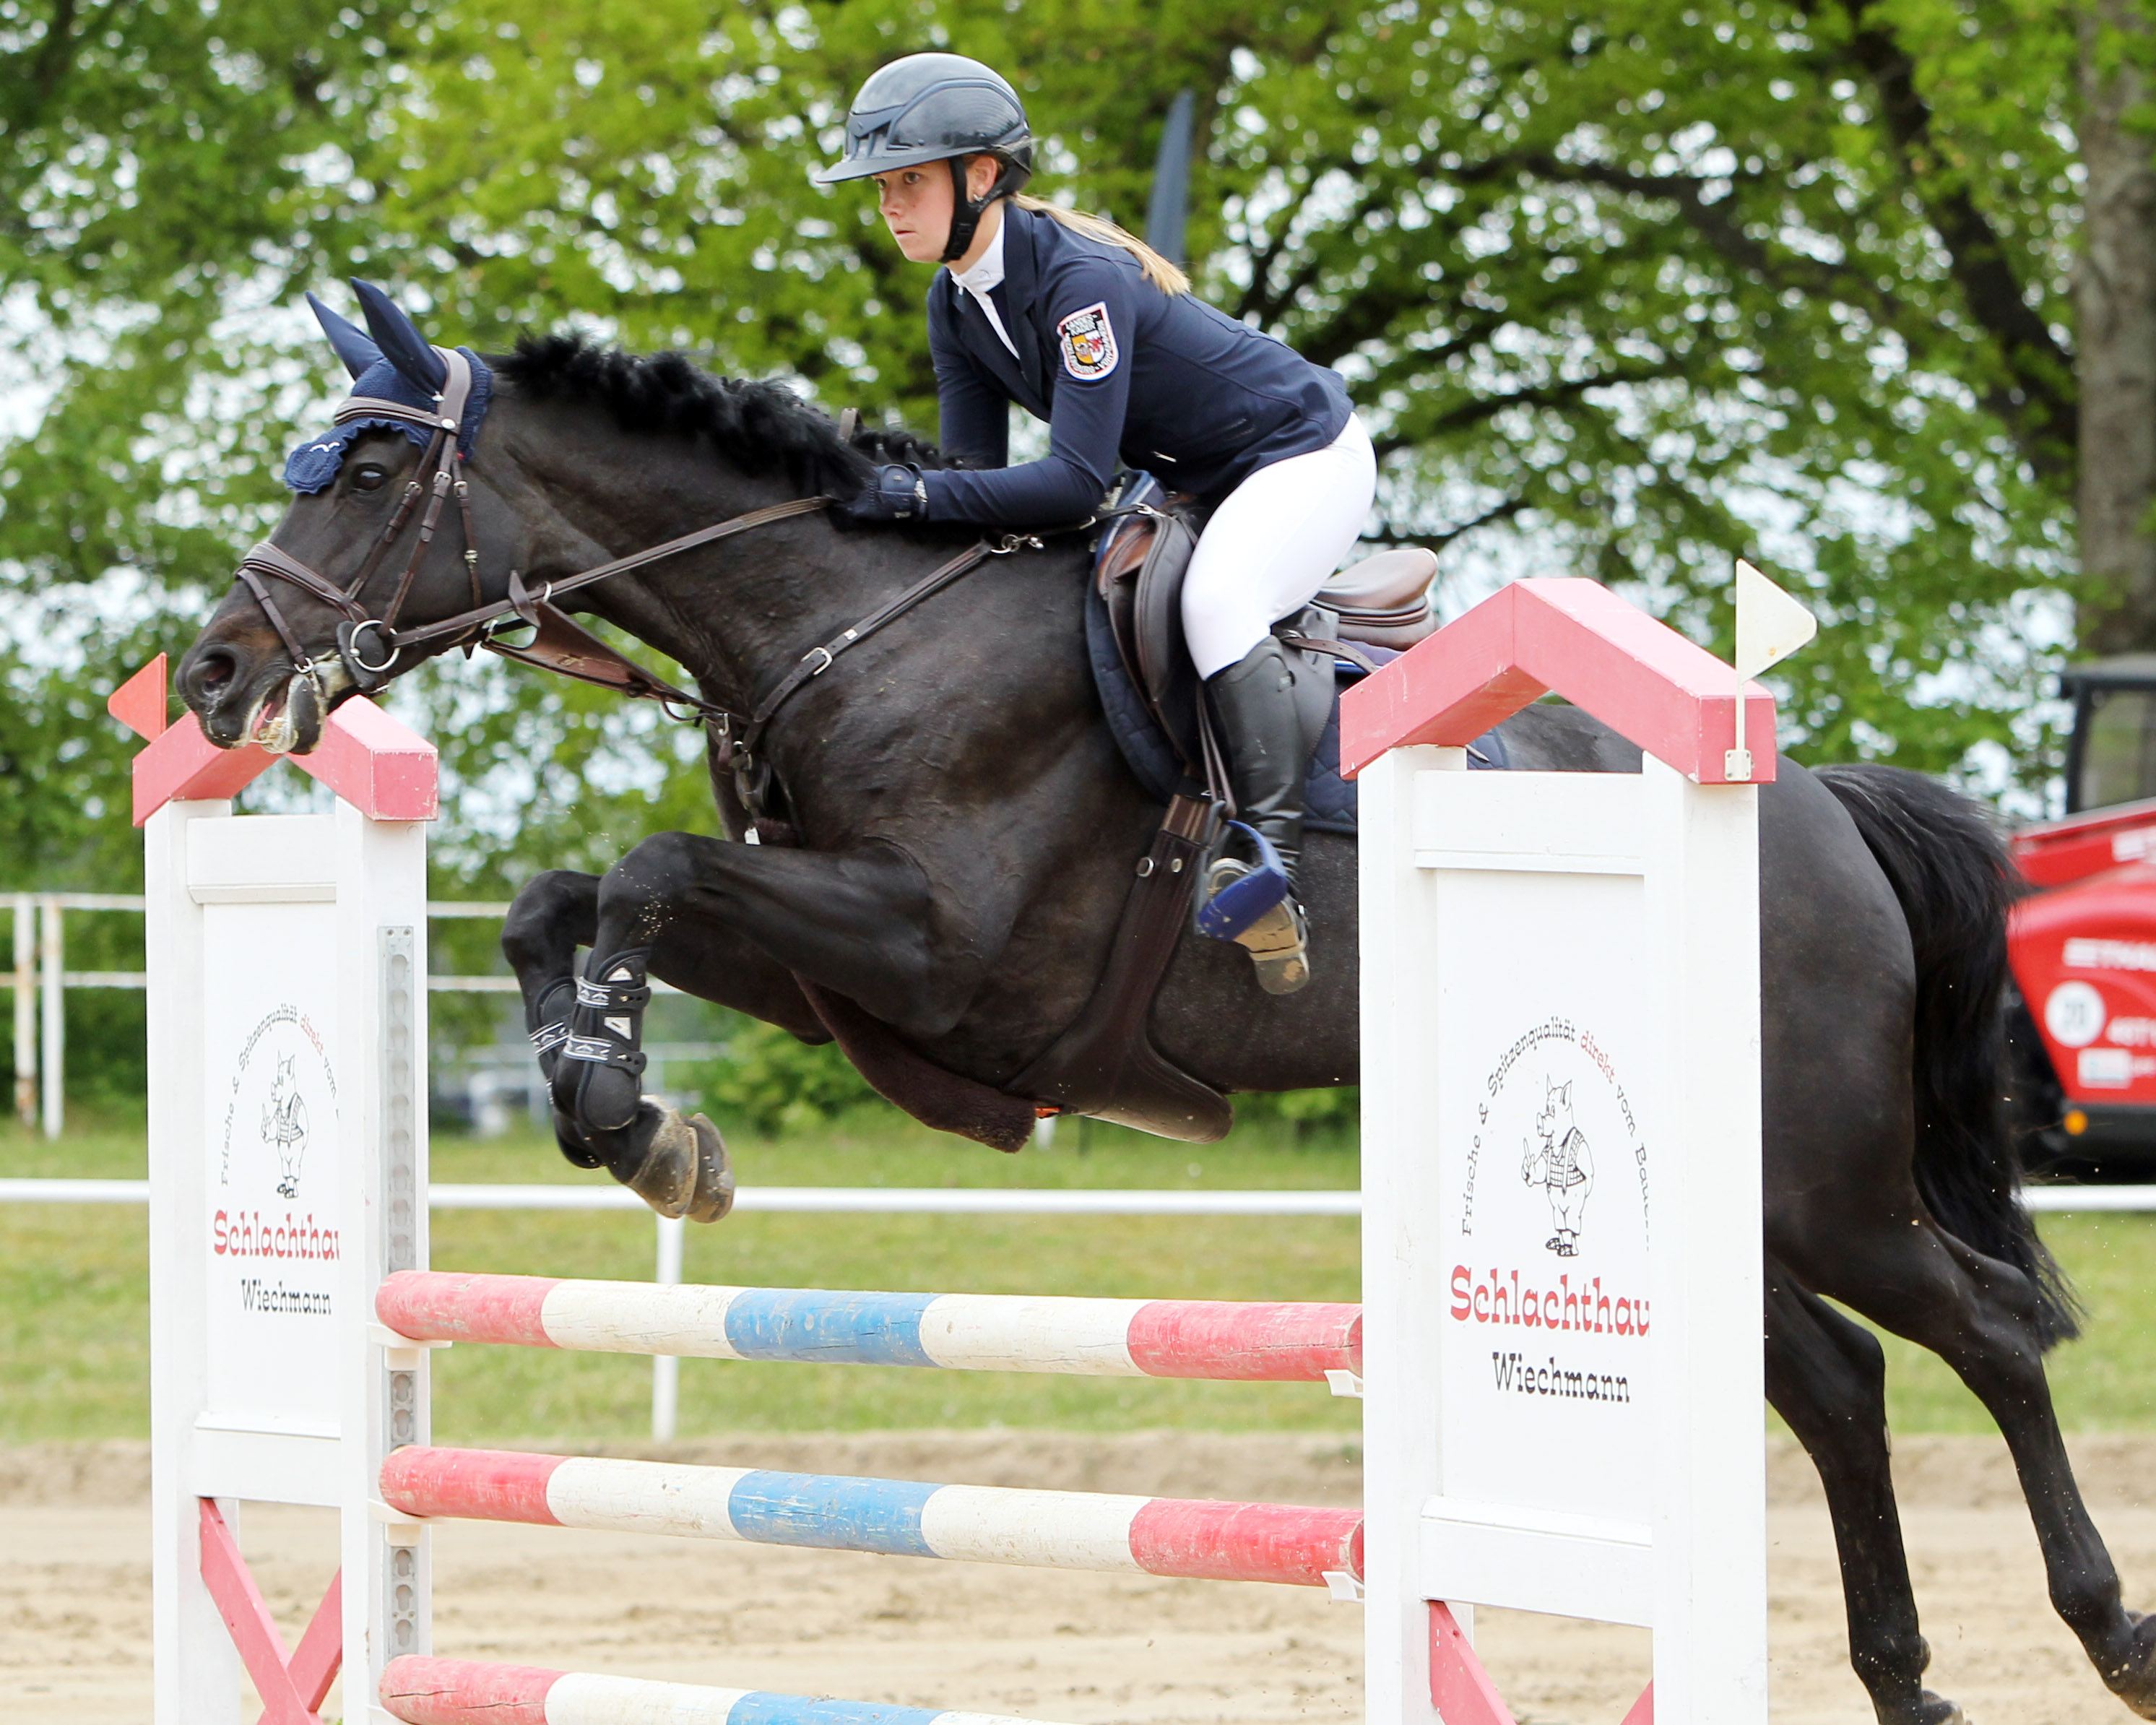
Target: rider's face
x,y
915,205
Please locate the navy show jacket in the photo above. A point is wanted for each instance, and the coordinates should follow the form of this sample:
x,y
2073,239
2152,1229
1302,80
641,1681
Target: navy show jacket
x,y
1118,369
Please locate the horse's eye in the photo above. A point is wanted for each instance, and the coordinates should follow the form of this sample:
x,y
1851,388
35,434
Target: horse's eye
x,y
368,477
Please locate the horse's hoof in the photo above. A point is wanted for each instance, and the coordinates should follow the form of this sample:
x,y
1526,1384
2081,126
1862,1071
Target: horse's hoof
x,y
685,1170
1930,1709
2130,1671
570,1141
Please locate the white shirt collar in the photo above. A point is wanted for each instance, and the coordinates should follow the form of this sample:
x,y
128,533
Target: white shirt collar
x,y
987,270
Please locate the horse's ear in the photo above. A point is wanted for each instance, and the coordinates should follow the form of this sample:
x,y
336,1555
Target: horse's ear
x,y
353,345
400,339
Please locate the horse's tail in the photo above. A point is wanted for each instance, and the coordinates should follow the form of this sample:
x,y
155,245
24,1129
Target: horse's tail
x,y
1955,882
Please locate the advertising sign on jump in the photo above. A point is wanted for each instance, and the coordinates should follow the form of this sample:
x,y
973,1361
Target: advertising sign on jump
x,y
1560,1155
1545,1391
271,1228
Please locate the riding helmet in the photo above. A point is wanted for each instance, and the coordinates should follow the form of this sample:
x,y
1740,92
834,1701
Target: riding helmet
x,y
938,107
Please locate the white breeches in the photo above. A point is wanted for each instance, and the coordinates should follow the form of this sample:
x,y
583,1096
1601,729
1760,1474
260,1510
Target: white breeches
x,y
1274,539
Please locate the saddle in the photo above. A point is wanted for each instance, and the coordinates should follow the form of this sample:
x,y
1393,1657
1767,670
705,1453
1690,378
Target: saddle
x,y
1138,571
1105,1064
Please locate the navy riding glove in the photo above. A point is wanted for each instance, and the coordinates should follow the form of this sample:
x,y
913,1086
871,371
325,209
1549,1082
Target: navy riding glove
x,y
896,493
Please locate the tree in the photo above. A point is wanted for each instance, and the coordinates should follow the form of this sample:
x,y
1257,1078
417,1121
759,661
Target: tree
x,y
2115,301
1623,292
168,174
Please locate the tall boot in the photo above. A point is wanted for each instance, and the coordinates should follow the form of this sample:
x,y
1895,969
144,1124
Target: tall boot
x,y
1268,744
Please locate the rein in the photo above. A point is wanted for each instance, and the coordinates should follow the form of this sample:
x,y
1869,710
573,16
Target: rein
x,y
560,644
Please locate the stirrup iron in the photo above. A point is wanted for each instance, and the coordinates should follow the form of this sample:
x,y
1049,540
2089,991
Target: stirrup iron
x,y
1253,905
1235,901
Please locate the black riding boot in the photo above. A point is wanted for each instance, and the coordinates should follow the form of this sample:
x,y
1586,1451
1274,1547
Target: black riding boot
x,y
1267,738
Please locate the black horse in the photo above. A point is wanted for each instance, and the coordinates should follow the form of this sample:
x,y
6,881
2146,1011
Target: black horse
x,y
965,834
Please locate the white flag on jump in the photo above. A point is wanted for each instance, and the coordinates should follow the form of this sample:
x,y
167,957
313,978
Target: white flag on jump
x,y
1770,624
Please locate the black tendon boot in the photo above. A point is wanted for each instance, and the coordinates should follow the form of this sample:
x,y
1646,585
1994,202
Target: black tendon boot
x,y
548,1033
676,1164
1268,739
600,1066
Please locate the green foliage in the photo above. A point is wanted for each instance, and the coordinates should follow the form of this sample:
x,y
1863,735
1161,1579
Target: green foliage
x,y
169,173
1624,290
63,781
1306,1114
771,1082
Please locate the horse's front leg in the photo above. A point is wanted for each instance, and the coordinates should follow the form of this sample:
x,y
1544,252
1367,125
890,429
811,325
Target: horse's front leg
x,y
678,1165
738,923
553,915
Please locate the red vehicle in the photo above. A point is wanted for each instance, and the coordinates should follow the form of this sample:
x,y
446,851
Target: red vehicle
x,y
2083,943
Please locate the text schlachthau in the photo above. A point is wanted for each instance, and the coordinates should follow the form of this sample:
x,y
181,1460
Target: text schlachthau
x,y
1515,1372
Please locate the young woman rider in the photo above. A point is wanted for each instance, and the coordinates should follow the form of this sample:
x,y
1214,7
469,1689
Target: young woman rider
x,y
1087,328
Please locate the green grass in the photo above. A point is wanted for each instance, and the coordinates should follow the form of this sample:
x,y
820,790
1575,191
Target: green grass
x,y
73,1291
73,1294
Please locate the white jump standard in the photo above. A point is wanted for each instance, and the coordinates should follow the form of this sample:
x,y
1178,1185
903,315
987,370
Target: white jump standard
x,y
1561,1046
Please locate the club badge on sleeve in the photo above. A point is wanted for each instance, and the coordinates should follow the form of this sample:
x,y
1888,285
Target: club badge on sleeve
x,y
1088,341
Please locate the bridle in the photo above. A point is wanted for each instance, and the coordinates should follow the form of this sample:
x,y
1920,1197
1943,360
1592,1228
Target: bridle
x,y
437,474
561,644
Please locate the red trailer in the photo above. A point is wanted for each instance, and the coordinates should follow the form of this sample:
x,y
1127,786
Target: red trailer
x,y
2083,943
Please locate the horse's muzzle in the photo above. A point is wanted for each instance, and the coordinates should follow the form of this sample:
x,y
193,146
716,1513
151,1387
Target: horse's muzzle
x,y
243,698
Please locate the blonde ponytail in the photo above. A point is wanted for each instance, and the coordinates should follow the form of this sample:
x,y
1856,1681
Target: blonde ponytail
x,y
1162,273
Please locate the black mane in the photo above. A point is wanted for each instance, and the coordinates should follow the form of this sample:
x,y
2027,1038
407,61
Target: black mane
x,y
761,427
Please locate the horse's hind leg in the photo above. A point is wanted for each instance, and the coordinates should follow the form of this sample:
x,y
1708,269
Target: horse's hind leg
x,y
1981,1317
1826,1376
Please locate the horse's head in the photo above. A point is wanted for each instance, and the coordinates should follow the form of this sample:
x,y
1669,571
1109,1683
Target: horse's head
x,y
384,534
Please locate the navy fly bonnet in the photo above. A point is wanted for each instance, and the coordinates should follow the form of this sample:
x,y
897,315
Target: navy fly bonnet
x,y
394,363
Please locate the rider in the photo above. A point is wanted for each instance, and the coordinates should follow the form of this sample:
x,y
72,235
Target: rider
x,y
1087,327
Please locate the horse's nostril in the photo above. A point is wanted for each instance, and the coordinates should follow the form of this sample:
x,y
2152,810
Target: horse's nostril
x,y
211,673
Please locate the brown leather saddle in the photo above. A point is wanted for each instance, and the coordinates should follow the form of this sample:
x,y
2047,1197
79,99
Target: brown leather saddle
x,y
1105,1064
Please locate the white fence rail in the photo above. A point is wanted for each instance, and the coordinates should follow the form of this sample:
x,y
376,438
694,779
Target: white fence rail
x,y
830,1200
39,982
